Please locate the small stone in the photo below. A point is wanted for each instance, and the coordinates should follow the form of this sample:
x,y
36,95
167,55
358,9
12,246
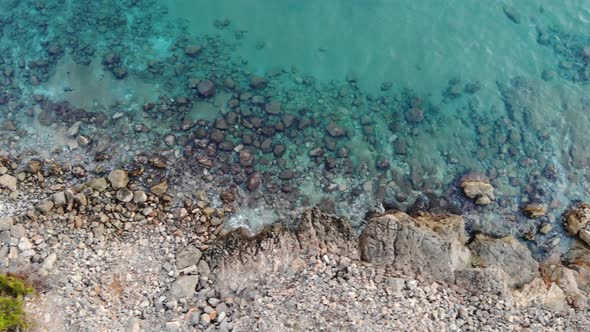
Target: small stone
x,y
160,189
81,199
45,206
139,196
124,195
118,178
8,181
335,130
258,82
535,210
24,244
192,50
273,108
34,166
205,319
546,228
206,88
227,197
59,199
49,262
98,184
183,287
188,256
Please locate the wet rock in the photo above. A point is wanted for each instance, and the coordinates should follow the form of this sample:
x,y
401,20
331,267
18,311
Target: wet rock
x,y
246,158
34,166
8,181
434,246
509,255
206,88
273,108
478,188
415,115
160,189
335,130
124,195
139,196
511,13
99,184
258,82
118,178
279,150
227,197
535,210
254,182
192,50
577,218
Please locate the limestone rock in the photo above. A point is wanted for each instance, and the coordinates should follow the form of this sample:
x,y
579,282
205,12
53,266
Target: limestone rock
x,y
482,193
431,245
577,218
187,257
535,210
98,184
183,287
160,189
8,181
508,254
118,178
488,280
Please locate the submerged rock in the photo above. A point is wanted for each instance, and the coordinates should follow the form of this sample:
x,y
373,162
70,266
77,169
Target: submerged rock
x,y
478,188
118,178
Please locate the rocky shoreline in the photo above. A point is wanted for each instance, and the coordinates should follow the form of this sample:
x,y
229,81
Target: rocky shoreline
x,y
116,254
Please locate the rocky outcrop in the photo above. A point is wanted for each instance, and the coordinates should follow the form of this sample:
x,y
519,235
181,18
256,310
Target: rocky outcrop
x,y
507,254
429,245
239,258
433,246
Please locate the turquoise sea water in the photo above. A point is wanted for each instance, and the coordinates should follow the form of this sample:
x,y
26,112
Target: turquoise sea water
x,y
422,92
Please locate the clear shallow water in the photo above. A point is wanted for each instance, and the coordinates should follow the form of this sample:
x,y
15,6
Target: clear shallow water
x,y
424,91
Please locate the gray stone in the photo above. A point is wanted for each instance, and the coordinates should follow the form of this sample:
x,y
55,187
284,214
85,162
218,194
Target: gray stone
x,y
18,231
6,223
24,244
188,256
427,245
133,325
45,206
183,287
98,184
118,178
486,280
139,196
395,284
59,199
509,255
124,195
49,261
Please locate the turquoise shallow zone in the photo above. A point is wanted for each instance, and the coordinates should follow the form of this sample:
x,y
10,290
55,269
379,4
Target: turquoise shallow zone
x,y
425,90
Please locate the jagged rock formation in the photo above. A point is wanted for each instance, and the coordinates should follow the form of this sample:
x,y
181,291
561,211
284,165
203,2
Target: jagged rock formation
x,y
431,246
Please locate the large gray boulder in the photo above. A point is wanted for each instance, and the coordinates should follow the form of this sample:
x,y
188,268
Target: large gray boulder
x,y
433,246
509,255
